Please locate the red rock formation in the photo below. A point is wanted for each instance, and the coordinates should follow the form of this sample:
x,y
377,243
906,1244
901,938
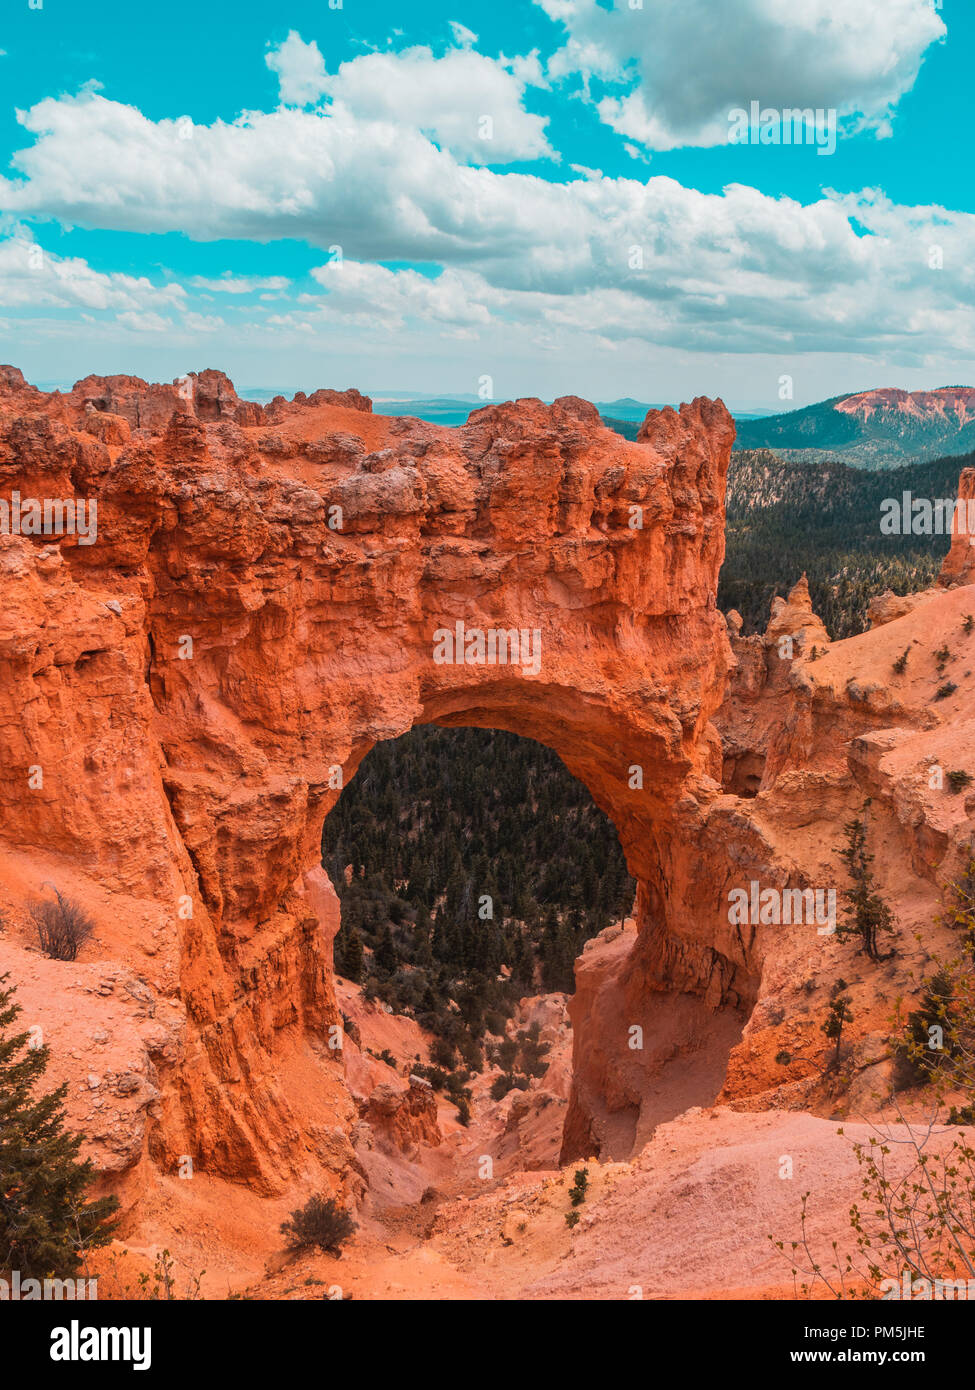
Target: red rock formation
x,y
954,402
959,563
259,609
834,732
181,701
403,1117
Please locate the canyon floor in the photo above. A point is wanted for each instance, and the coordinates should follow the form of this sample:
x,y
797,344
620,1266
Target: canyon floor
x,y
690,1216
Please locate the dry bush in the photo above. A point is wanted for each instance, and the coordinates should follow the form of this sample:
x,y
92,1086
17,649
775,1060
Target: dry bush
x,y
63,926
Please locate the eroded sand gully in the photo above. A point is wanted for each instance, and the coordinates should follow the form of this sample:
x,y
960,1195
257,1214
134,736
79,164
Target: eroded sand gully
x,y
168,781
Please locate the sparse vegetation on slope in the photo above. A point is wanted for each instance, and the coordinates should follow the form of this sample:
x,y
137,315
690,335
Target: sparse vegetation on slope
x,y
320,1224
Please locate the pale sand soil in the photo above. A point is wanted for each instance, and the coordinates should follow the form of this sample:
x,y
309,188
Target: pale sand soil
x,y
689,1218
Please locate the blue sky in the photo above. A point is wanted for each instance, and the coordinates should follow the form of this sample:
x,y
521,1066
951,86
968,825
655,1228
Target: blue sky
x,y
544,196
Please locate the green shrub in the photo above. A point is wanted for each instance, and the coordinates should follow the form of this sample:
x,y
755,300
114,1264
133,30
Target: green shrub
x,y
320,1223
577,1194
867,914
442,1053
916,1060
839,1013
500,1087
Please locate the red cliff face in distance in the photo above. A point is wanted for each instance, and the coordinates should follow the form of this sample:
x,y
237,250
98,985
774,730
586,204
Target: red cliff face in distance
x,y
952,405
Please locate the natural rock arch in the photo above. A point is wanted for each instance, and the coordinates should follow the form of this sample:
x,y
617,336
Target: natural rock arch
x,y
193,680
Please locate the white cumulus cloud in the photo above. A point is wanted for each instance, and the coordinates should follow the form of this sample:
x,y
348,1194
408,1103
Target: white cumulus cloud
x,y
300,68
240,284
685,64
33,277
387,171
466,102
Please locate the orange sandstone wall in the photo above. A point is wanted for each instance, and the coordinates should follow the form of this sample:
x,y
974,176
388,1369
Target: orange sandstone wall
x,y
257,611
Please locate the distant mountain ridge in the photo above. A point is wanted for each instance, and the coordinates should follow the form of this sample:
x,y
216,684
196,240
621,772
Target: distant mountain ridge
x,y
878,429
626,415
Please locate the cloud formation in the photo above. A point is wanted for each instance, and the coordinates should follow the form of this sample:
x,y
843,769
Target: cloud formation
x,y
686,64
466,102
736,271
300,69
32,277
382,161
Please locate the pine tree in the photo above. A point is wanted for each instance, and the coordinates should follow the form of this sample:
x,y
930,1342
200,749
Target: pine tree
x,y
349,955
422,954
533,1051
867,914
384,956
439,945
839,1013
523,962
506,1056
47,1225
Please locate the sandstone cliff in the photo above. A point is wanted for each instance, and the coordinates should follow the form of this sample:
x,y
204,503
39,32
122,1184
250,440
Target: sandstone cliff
x,y
182,700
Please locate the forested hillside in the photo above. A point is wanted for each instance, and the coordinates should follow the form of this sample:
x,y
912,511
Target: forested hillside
x,y
785,518
461,856
824,519
883,429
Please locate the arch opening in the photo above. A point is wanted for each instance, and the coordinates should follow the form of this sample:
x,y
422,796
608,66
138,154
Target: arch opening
x,y
478,879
